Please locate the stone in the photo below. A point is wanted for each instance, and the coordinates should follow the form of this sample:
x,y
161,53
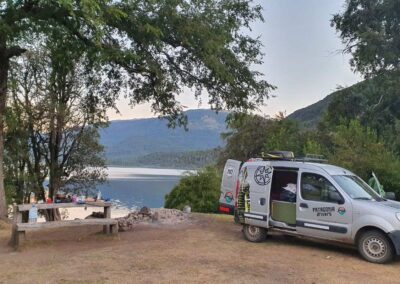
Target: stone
x,y
145,211
162,216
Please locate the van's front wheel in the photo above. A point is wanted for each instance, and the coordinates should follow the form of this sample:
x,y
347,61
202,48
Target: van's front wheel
x,y
254,234
375,246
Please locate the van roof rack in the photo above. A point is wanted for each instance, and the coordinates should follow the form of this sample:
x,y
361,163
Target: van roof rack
x,y
279,155
313,158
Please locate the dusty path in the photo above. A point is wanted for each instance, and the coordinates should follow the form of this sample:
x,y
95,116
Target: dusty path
x,y
210,250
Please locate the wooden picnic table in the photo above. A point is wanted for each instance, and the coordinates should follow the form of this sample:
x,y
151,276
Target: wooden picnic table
x,y
19,228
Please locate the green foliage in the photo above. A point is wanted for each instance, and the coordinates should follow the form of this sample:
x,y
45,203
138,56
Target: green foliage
x,y
375,103
283,134
53,115
149,51
370,30
85,167
245,139
155,48
311,146
345,142
251,135
358,148
200,191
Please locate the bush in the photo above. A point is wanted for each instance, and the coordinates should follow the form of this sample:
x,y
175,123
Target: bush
x,y
200,191
359,149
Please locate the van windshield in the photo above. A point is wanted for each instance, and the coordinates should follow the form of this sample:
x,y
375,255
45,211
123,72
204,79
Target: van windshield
x,y
356,188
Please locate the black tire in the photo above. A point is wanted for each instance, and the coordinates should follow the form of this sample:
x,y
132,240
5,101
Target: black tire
x,y
254,234
374,246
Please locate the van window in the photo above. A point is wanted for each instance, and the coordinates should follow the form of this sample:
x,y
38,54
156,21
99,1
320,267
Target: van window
x,y
315,187
356,188
284,185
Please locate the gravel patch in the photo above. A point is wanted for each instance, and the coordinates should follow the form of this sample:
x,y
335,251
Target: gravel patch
x,y
153,216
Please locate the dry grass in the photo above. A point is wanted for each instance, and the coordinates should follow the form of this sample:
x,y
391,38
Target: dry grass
x,y
5,229
209,250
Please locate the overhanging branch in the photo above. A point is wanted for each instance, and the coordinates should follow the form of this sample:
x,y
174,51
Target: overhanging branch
x,y
14,51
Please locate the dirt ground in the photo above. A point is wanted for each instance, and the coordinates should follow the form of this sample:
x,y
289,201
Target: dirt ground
x,y
210,249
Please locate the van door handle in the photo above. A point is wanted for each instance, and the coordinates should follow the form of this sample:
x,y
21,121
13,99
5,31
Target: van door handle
x,y
303,205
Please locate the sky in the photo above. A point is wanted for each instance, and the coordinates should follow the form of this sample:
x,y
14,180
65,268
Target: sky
x,y
302,59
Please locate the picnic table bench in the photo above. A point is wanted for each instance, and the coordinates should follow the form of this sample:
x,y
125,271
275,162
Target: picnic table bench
x,y
19,228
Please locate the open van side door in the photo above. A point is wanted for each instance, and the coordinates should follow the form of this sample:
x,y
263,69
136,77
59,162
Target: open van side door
x,y
259,177
229,187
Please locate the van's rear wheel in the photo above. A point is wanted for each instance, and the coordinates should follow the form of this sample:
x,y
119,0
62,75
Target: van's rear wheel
x,y
254,234
375,246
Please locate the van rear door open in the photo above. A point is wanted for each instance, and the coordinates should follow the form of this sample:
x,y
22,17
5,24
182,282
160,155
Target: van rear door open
x,y
229,187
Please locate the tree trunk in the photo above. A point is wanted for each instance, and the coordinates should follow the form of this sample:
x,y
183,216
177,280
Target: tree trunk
x,y
4,66
54,174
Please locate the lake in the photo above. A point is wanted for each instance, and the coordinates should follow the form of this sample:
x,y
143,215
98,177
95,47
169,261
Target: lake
x,y
132,188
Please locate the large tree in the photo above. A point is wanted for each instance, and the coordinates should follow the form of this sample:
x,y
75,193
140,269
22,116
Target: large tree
x,y
156,47
56,106
370,30
245,137
252,136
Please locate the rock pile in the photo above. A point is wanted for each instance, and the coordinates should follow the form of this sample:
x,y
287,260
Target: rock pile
x,y
147,215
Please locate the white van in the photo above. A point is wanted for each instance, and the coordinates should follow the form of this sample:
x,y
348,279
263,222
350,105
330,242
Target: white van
x,y
311,200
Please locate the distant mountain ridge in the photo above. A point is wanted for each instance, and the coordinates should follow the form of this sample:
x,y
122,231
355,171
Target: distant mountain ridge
x,y
128,140
187,160
310,116
149,142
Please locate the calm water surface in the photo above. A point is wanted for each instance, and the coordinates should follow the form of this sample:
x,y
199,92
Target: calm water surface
x,y
130,188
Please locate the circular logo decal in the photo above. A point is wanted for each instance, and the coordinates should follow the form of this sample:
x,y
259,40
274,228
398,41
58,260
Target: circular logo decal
x,y
262,175
341,210
229,197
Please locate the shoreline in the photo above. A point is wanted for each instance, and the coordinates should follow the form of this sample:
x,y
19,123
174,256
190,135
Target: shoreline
x,y
120,172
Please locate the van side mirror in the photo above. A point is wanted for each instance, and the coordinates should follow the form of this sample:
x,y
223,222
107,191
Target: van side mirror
x,y
334,196
390,195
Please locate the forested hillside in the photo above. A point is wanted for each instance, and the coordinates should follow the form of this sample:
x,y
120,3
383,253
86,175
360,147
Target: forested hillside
x,y
177,160
149,142
310,116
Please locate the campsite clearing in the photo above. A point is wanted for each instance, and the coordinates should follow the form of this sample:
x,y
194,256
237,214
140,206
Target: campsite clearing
x,y
208,249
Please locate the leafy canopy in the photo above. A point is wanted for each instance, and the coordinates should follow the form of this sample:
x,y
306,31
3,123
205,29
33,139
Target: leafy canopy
x,y
52,116
345,142
371,31
200,191
360,150
375,103
249,136
158,48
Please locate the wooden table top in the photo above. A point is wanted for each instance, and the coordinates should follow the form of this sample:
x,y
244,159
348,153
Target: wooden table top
x,y
26,207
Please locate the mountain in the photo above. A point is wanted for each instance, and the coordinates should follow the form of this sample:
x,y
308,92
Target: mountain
x,y
179,160
310,116
128,141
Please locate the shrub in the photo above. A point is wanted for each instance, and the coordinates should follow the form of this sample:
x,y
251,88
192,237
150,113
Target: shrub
x,y
359,149
200,191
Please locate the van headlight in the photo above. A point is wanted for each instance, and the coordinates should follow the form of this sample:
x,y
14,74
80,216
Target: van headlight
x,y
398,216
